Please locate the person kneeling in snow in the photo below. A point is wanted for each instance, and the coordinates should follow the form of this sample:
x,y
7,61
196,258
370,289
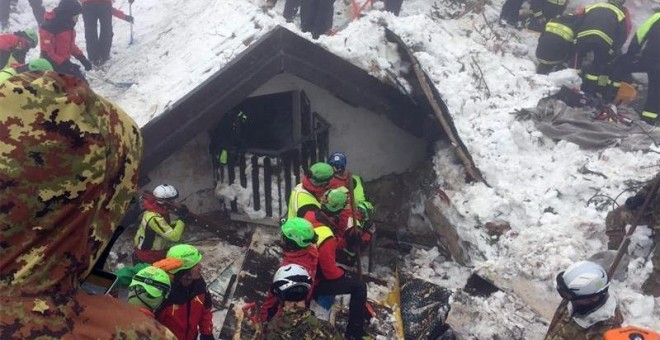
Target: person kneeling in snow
x,y
57,37
590,311
292,284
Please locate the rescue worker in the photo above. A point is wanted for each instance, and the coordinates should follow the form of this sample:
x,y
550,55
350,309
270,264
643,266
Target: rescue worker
x,y
37,9
316,16
57,36
643,55
306,195
15,46
187,310
333,280
543,11
352,229
557,43
342,177
35,65
290,8
615,228
631,333
602,32
591,310
510,13
55,228
148,289
157,230
97,17
292,284
299,245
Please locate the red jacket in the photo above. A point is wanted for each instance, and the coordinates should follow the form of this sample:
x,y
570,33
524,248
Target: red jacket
x,y
58,39
10,42
340,180
15,46
327,268
313,189
187,311
307,258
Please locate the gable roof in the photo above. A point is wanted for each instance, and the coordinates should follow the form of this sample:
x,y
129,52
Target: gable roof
x,y
278,51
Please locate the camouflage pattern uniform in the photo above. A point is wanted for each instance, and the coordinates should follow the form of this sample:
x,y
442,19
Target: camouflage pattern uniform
x,y
617,220
567,329
68,169
297,323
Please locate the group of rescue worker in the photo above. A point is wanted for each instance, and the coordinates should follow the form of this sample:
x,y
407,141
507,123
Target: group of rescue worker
x,y
56,38
327,222
591,40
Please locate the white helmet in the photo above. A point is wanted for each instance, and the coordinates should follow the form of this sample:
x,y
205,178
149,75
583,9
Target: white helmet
x,y
291,283
165,191
581,280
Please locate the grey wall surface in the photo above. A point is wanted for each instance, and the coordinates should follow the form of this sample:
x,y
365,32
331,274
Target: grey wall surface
x,y
190,171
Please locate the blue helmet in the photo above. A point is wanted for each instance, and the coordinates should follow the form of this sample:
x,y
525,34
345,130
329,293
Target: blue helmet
x,y
338,161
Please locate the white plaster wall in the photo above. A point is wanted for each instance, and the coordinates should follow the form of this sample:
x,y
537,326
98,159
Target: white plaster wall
x,y
373,145
190,171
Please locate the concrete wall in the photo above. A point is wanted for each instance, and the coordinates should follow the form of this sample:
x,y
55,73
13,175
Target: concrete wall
x,y
190,171
373,145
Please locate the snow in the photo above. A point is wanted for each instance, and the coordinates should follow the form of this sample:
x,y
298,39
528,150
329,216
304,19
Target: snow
x,y
534,182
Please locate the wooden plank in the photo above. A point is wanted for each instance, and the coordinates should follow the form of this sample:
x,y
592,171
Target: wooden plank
x,y
268,180
438,107
256,196
286,158
270,221
231,169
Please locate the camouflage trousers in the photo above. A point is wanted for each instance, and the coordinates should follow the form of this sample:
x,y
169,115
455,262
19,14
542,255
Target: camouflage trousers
x,y
615,229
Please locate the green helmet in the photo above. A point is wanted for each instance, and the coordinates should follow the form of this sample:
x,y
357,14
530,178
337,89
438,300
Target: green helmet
x,y
300,231
321,173
39,64
32,35
155,281
188,254
335,199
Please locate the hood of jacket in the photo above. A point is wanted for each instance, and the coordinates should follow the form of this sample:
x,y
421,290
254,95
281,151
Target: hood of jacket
x,y
68,170
606,311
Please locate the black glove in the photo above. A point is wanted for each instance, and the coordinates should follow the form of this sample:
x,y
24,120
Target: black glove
x,y
129,18
634,202
85,62
205,336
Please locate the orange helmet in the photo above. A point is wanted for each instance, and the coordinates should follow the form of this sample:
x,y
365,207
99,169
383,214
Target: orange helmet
x,y
631,333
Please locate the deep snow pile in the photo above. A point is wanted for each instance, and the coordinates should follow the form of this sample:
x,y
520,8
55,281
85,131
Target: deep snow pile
x,y
484,73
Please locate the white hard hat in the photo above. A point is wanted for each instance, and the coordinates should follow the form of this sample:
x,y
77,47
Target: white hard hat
x,y
291,282
166,191
583,279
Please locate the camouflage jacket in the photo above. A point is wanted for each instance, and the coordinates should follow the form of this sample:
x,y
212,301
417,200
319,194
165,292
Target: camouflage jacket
x,y
299,323
569,327
68,169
